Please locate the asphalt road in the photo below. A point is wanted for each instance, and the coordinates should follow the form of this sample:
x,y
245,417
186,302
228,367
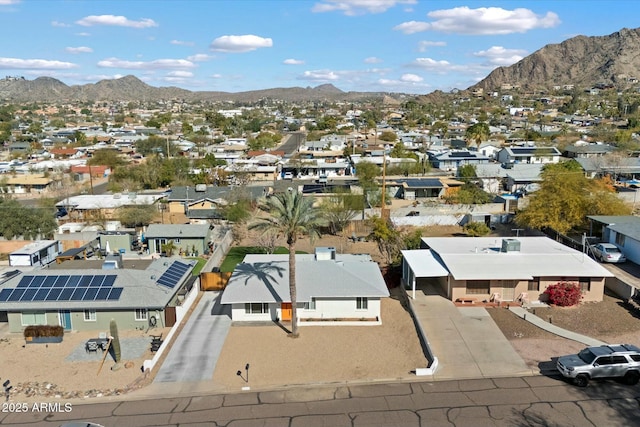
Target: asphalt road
x,y
527,401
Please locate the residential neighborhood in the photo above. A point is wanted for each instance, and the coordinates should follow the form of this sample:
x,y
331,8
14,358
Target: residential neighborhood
x,y
170,221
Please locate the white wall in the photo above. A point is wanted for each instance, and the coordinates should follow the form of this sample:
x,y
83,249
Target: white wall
x,y
325,309
631,248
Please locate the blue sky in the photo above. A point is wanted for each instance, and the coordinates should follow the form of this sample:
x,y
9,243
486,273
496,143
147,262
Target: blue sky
x,y
411,46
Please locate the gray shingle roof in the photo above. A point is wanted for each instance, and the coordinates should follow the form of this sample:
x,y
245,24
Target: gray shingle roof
x,y
184,231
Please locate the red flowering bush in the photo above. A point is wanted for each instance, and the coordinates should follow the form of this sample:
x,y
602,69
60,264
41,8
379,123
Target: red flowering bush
x,y
564,294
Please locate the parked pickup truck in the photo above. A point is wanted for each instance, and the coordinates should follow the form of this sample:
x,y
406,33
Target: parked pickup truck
x,y
620,361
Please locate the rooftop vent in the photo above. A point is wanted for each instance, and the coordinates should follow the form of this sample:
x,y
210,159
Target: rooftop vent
x,y
200,188
325,253
510,245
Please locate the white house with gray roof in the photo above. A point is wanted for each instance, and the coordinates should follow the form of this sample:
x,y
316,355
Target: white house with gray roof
x,y
331,288
488,268
621,230
88,296
186,238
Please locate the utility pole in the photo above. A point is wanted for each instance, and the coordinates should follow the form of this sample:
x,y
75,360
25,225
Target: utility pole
x,y
384,212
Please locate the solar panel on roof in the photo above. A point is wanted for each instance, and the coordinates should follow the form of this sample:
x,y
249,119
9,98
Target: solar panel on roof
x,y
41,294
49,281
115,293
4,294
78,294
109,280
37,281
103,293
73,281
16,295
54,294
84,281
29,294
24,282
66,293
61,282
173,274
91,294
96,281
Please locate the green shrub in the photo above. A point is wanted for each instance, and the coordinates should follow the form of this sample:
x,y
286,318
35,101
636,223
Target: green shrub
x,y
115,341
476,229
39,331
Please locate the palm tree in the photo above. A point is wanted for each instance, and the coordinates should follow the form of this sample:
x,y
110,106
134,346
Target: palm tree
x,y
290,215
478,133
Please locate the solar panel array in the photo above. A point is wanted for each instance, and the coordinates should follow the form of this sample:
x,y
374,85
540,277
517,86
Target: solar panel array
x,y
172,276
63,288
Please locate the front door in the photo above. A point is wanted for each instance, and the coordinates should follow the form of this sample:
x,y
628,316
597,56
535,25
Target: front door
x,y
285,311
65,319
508,290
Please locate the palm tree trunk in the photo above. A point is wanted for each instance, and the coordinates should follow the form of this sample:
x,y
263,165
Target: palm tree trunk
x,y
292,290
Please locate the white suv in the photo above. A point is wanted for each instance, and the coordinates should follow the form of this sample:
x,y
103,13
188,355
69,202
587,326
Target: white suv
x,y
605,361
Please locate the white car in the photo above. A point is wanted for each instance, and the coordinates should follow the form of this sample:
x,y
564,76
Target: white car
x,y
607,252
288,175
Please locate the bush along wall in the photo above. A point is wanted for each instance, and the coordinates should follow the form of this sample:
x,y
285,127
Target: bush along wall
x,y
43,334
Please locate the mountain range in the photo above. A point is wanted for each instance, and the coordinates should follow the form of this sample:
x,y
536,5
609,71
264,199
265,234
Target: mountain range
x,y
580,61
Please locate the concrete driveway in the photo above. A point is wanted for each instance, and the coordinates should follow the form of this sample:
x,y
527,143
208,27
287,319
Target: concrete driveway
x,y
466,340
194,354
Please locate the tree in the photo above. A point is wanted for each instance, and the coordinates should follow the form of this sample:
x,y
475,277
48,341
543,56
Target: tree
x,y
566,197
386,236
135,216
290,215
110,158
339,209
477,133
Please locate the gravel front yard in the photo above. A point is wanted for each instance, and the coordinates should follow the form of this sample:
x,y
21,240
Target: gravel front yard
x,y
610,321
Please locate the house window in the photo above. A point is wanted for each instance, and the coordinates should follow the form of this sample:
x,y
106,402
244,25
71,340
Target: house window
x,y
534,285
141,314
33,318
362,303
477,287
89,315
256,308
585,284
311,305
176,240
620,239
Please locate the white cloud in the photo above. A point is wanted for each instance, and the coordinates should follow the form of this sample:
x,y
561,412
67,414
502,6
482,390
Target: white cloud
x,y
119,21
59,24
244,43
41,64
83,34
320,75
358,7
216,76
8,2
499,56
79,49
200,57
423,45
412,27
292,61
481,21
372,60
411,78
181,74
181,43
150,65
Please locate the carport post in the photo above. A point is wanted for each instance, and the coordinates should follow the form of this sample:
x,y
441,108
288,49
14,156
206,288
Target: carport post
x,y
414,286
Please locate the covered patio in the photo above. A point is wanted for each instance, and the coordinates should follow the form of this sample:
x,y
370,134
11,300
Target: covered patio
x,y
423,264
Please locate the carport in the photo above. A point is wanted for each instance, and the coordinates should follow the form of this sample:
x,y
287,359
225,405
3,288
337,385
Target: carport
x,y
421,263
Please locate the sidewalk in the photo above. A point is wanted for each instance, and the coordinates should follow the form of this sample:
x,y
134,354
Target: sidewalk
x,y
535,320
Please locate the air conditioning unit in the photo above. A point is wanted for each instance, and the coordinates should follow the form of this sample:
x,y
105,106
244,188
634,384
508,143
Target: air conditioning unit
x,y
510,245
201,188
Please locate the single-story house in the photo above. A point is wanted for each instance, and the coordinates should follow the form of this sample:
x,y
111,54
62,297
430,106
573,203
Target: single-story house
x,y
416,188
331,288
508,269
185,199
584,150
87,296
452,160
104,206
529,155
186,238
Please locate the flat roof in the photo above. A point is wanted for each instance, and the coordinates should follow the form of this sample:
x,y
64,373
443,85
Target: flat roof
x,y
33,247
480,258
424,264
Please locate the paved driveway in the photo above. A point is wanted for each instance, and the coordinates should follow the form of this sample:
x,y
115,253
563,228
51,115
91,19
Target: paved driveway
x,y
194,353
466,340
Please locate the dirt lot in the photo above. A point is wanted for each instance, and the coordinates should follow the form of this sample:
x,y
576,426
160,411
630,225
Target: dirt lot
x,y
609,321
